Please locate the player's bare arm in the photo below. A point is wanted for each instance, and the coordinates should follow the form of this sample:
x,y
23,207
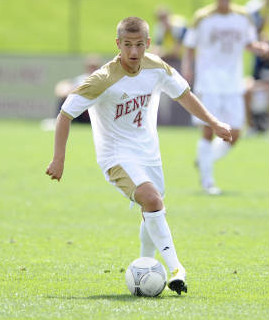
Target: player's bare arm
x,y
56,167
187,64
193,105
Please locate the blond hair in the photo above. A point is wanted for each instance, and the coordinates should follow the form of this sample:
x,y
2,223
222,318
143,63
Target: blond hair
x,y
132,24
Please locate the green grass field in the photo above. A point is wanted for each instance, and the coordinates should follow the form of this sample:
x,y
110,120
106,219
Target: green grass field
x,y
64,246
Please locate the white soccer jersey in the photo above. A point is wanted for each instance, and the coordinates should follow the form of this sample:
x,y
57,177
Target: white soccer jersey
x,y
123,109
219,40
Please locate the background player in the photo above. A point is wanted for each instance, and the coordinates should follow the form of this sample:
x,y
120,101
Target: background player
x,y
64,87
216,41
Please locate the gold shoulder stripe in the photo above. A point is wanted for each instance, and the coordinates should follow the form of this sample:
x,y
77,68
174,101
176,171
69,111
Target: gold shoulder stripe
x,y
151,61
100,80
242,11
203,13
183,93
238,9
212,9
67,115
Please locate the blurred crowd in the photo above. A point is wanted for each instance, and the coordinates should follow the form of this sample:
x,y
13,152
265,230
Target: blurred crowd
x,y
257,85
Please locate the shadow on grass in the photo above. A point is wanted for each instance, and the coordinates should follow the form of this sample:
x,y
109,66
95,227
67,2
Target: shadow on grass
x,y
116,297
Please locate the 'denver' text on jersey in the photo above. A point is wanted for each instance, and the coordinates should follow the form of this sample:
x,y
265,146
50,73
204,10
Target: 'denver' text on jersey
x,y
132,105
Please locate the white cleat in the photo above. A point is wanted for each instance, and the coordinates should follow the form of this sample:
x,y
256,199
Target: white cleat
x,y
212,191
177,282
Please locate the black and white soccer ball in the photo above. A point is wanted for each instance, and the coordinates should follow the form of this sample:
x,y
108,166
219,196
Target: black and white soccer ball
x,y
146,277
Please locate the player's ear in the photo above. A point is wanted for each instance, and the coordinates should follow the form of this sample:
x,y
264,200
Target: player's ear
x,y
148,43
118,43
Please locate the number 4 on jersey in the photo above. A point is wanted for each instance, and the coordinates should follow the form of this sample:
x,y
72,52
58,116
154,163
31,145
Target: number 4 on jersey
x,y
138,119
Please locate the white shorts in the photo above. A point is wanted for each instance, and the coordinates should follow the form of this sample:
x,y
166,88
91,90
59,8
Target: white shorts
x,y
126,177
228,108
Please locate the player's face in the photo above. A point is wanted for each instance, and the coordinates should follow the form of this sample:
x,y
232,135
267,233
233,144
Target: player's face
x,y
132,47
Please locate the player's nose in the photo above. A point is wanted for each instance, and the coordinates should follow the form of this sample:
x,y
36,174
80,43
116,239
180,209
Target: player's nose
x,y
133,52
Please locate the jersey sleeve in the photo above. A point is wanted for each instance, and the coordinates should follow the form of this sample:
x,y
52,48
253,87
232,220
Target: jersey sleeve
x,y
251,34
75,105
175,85
190,38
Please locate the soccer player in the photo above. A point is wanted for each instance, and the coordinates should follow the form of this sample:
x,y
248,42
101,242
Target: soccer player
x,y
122,98
215,42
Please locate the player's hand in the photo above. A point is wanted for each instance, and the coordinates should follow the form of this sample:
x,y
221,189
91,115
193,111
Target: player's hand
x,y
223,130
261,49
55,169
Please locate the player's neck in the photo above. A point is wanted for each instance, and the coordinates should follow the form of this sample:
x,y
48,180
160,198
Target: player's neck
x,y
129,69
223,9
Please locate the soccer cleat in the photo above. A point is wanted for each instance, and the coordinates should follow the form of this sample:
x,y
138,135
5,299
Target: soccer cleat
x,y
212,191
177,282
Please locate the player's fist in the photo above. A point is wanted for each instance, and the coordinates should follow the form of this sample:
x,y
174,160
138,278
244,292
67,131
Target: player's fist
x,y
55,169
223,130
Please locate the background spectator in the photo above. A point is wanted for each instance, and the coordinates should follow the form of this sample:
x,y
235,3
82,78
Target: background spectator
x,y
64,87
257,85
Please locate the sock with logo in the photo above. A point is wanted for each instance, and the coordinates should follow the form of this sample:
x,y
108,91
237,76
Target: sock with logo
x,y
220,148
160,234
147,246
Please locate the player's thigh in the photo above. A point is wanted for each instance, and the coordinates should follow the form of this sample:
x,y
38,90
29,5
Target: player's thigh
x,y
233,110
155,174
126,177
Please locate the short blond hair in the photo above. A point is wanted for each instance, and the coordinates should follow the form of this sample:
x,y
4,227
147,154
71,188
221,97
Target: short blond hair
x,y
132,24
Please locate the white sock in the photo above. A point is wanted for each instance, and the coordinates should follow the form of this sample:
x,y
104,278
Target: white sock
x,y
205,162
160,234
220,148
147,246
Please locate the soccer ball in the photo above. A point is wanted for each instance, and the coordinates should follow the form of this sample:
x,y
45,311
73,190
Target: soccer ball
x,y
146,277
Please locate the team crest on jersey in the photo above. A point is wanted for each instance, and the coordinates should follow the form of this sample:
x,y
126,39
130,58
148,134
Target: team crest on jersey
x,y
131,105
124,96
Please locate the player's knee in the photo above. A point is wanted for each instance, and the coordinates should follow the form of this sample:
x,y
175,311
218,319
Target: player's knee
x,y
235,136
208,133
149,198
234,141
153,202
